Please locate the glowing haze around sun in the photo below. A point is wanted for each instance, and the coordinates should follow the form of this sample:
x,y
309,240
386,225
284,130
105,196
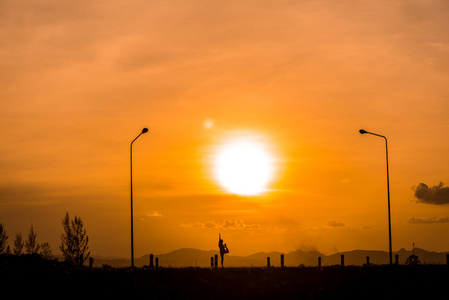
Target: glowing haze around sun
x,y
244,167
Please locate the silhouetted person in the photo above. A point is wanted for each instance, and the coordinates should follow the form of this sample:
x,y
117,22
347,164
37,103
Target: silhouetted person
x,y
223,248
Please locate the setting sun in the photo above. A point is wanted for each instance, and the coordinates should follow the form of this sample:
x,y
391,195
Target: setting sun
x,y
253,110
244,168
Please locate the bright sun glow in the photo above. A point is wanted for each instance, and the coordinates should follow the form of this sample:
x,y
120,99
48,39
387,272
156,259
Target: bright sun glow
x,y
244,168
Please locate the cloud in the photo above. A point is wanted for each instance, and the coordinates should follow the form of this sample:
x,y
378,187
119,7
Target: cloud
x,y
429,220
232,224
154,214
335,224
438,195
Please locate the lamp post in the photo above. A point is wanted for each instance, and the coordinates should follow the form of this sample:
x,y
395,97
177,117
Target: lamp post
x,y
388,190
145,130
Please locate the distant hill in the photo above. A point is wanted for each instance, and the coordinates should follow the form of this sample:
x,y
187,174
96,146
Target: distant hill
x,y
188,257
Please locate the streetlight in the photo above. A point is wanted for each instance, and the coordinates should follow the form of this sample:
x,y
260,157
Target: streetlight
x,y
388,189
145,130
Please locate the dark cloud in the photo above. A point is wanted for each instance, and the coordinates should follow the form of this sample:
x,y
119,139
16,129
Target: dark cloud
x,y
436,195
428,221
335,224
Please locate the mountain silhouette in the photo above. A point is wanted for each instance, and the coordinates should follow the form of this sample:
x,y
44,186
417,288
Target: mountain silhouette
x,y
189,257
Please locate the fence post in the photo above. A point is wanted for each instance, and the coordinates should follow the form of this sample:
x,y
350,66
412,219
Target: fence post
x,y
268,261
211,262
157,262
396,259
216,261
447,259
319,261
367,260
342,260
91,262
282,260
151,261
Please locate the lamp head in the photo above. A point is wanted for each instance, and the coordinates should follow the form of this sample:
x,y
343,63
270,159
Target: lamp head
x,y
363,131
145,130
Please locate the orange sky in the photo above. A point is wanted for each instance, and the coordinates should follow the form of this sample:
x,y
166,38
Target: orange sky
x,y
79,80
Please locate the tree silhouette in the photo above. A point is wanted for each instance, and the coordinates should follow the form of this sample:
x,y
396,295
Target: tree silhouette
x,y
31,244
3,239
74,241
46,251
18,244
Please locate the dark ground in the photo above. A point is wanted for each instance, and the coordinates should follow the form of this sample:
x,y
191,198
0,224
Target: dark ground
x,y
372,282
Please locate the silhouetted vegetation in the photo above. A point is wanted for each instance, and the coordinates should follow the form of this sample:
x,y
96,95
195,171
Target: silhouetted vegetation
x,y
18,244
73,245
74,241
46,251
3,239
31,244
